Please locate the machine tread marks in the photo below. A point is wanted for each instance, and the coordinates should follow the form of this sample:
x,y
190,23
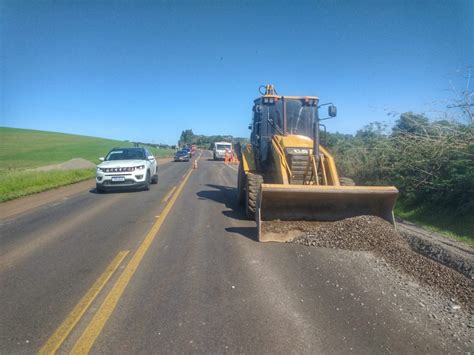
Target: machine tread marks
x,y
253,185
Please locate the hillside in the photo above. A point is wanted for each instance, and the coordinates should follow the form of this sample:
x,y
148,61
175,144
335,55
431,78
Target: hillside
x,y
22,149
25,148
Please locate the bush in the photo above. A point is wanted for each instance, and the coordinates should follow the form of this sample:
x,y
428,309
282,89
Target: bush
x,y
431,163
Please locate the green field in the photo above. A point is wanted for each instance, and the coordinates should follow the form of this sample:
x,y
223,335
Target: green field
x,y
446,222
22,149
26,149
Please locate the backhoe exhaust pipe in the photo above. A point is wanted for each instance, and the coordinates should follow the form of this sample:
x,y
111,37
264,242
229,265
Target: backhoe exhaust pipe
x,y
316,141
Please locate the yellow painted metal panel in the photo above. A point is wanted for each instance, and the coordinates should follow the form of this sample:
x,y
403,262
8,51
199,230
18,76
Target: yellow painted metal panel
x,y
248,160
319,203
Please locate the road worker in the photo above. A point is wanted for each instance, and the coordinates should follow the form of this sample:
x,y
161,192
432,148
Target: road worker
x,y
226,156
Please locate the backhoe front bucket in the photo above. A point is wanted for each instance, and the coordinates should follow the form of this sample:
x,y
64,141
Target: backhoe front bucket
x,y
277,202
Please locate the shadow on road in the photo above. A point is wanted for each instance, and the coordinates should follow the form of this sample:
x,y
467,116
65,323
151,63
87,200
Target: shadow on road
x,y
227,196
116,190
248,232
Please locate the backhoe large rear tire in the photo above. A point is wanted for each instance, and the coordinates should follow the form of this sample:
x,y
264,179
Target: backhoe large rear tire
x,y
253,185
241,184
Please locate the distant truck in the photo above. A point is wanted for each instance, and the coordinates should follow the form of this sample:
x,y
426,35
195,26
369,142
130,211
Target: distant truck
x,y
220,148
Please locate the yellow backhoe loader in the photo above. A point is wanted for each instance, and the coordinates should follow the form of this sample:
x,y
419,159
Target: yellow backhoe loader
x,y
286,175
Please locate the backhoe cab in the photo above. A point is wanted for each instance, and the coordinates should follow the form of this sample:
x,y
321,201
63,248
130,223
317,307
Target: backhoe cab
x,y
284,116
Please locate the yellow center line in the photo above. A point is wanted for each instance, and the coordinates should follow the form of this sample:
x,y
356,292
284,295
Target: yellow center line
x,y
58,337
168,195
93,330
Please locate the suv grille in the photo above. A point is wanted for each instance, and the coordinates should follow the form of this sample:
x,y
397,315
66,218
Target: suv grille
x,y
117,170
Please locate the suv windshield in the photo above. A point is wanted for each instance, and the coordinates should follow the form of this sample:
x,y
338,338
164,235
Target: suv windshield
x,y
126,154
223,146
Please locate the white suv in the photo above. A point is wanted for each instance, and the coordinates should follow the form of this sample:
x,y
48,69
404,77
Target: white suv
x,y
125,168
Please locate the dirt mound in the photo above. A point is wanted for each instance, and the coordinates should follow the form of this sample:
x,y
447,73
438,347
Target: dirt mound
x,y
368,233
76,163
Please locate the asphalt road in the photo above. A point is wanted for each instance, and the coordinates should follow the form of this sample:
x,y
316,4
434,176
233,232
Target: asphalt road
x,y
200,284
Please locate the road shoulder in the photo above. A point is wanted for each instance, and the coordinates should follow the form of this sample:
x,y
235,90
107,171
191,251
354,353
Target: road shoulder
x,y
451,253
21,205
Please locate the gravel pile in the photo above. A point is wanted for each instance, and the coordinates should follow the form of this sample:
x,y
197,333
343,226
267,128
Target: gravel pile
x,y
368,233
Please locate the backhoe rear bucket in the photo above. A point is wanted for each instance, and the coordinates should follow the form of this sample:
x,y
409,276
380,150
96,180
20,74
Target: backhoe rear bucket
x,y
277,202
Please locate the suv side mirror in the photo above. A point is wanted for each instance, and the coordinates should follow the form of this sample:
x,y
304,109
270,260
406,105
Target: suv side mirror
x,y
101,158
151,157
332,111
250,126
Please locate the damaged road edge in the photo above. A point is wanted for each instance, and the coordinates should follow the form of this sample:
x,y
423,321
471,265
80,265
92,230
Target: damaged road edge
x,y
431,245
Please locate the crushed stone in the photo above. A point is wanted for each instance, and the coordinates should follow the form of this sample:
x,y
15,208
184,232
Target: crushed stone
x,y
373,234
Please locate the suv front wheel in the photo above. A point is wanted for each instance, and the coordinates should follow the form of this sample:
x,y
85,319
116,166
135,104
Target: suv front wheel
x,y
146,187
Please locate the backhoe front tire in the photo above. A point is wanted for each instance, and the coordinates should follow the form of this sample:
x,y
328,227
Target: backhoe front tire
x,y
253,185
241,185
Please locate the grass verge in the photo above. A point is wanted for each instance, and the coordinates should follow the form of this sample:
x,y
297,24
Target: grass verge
x,y
445,222
14,184
161,152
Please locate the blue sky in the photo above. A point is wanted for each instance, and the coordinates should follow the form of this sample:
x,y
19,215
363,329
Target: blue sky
x,y
146,70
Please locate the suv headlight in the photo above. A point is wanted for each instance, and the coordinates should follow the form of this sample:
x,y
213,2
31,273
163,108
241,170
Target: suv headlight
x,y
140,167
99,170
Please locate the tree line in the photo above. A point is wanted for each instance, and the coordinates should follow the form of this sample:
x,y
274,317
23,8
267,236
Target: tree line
x,y
205,142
